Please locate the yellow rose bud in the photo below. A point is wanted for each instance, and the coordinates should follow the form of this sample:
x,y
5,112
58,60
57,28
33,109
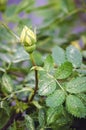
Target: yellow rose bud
x,y
28,38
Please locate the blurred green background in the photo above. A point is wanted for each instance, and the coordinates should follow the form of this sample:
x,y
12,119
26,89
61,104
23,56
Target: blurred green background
x,y
57,22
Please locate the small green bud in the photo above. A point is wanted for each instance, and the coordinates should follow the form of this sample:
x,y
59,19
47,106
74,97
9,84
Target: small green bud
x,y
28,38
30,49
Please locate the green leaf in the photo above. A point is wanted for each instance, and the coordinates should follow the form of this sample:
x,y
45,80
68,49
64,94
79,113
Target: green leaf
x,y
29,122
18,57
30,79
64,122
46,85
81,71
48,64
64,70
36,104
53,114
41,117
13,127
74,56
37,58
67,6
4,113
6,57
55,99
58,55
75,106
23,6
82,96
7,85
10,10
2,69
5,106
77,85
63,5
4,117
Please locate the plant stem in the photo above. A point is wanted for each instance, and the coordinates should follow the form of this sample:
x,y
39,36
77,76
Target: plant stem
x,y
36,85
9,30
14,116
15,92
58,21
36,79
56,82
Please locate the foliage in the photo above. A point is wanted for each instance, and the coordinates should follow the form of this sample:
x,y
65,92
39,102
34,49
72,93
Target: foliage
x,y
45,89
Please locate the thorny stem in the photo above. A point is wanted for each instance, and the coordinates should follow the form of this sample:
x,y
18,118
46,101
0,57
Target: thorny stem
x,y
36,78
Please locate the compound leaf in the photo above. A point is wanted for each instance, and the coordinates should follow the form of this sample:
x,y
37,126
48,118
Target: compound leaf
x,y
75,106
41,117
74,56
55,99
4,113
58,55
48,64
82,96
7,85
46,85
64,70
4,117
37,58
77,85
53,114
29,122
19,57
